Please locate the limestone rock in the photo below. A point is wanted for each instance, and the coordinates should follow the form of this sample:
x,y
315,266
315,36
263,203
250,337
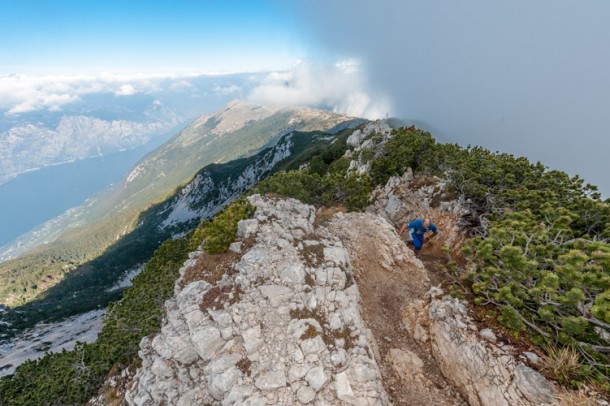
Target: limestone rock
x,y
355,139
235,247
207,341
317,378
297,372
343,388
531,357
484,373
271,380
266,346
220,384
305,394
276,294
406,363
488,334
246,228
534,386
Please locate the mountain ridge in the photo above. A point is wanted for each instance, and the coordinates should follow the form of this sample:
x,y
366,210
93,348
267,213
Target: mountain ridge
x,y
207,346
204,195
149,181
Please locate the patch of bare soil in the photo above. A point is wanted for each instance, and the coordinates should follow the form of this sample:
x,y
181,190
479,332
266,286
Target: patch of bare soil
x,y
383,295
212,267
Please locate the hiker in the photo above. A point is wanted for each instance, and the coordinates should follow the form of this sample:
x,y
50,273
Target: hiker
x,y
417,229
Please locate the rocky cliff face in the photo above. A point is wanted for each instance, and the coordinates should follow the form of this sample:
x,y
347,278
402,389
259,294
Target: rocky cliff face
x,y
211,189
282,326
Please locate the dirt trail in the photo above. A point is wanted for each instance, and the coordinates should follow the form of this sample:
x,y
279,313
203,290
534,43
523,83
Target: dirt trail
x,y
386,287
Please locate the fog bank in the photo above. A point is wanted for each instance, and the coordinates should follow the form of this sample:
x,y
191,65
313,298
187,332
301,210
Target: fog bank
x,y
529,78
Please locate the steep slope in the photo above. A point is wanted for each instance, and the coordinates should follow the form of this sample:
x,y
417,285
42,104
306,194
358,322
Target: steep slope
x,y
81,235
208,192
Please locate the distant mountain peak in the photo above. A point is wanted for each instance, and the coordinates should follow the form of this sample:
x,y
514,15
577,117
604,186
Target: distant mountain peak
x,y
238,113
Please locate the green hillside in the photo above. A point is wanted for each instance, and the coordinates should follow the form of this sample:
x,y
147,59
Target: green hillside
x,y
237,131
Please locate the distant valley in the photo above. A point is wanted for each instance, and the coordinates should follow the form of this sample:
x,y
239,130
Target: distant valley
x,y
102,119
52,159
28,147
35,197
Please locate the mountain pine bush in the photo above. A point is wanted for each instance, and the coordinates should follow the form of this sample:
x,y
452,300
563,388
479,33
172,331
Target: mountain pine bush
x,y
324,181
542,255
219,232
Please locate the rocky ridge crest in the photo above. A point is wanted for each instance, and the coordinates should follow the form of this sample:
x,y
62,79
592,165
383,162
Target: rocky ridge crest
x,y
287,331
483,369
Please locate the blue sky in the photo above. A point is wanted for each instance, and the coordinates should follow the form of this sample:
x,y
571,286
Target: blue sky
x,y
51,36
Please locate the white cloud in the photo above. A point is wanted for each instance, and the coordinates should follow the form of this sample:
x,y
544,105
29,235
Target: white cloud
x,y
226,90
24,93
339,86
19,96
181,85
126,90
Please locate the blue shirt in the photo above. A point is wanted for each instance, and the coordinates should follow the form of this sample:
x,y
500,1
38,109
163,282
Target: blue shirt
x,y
417,227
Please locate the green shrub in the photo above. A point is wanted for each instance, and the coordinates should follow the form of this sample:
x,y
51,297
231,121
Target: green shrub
x,y
542,255
299,184
219,232
311,188
409,148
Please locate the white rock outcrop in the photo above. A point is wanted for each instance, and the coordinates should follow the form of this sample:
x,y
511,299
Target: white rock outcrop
x,y
288,332
483,372
404,197
361,140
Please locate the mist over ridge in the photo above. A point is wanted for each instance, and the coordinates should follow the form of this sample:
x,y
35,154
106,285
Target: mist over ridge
x,y
520,77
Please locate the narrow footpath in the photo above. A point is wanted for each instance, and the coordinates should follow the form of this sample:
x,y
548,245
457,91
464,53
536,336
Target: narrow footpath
x,y
389,278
